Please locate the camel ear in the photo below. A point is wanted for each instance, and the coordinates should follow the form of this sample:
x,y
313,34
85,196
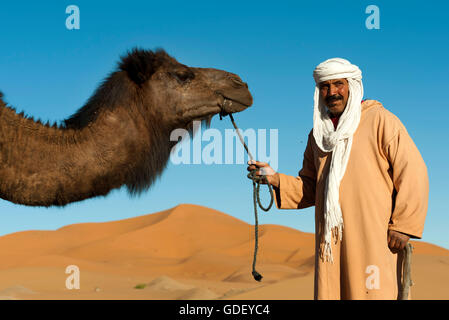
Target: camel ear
x,y
139,65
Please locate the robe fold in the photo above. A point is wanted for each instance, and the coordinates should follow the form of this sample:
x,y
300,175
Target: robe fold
x,y
385,186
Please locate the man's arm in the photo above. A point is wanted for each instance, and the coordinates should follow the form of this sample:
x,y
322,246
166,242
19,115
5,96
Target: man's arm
x,y
298,192
411,182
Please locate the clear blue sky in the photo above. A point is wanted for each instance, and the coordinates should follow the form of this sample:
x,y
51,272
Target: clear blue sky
x,y
49,72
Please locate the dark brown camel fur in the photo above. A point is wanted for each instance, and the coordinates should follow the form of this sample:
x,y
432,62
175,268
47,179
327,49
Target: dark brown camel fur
x,y
121,136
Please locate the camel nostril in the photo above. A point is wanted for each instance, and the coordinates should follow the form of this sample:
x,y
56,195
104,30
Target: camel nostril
x,y
238,83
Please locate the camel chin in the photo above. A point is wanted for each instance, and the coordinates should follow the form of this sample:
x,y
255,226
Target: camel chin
x,y
228,107
232,106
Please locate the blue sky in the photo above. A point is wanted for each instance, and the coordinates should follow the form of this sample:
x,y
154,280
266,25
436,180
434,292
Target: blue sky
x,y
49,71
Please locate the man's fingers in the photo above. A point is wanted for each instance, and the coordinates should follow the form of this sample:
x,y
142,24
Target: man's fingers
x,y
251,168
257,163
392,246
263,166
397,243
392,242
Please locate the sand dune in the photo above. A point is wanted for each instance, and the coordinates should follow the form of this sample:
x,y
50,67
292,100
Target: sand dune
x,y
187,252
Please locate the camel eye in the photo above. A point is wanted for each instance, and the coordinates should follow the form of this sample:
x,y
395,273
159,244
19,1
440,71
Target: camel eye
x,y
182,76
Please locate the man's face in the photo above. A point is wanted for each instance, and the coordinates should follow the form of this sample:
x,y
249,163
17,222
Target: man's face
x,y
335,95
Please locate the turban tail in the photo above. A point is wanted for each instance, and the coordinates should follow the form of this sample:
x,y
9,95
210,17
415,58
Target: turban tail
x,y
338,141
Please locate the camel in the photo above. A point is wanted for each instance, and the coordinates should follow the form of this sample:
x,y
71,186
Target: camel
x,y
121,136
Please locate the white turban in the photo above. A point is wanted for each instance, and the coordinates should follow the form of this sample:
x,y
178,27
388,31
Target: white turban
x,y
338,141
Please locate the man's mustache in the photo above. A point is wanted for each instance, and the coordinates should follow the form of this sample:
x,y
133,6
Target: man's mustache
x,y
333,98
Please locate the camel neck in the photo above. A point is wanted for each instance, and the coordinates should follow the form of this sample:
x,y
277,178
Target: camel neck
x,y
45,166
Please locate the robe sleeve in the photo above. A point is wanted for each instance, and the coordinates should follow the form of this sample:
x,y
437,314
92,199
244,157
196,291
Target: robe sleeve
x,y
298,192
411,184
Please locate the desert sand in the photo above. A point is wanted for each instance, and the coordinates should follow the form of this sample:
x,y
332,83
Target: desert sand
x,y
186,252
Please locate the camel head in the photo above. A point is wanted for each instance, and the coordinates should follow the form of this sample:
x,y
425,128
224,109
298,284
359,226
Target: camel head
x,y
177,94
120,136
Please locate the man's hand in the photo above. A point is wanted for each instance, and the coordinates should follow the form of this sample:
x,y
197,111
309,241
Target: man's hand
x,y
266,170
397,240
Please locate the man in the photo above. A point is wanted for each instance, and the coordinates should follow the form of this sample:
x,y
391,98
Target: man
x,y
367,181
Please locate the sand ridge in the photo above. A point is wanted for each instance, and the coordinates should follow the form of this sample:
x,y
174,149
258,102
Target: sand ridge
x,y
186,252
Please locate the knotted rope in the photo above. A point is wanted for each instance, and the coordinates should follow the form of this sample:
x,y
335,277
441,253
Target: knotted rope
x,y
257,180
406,272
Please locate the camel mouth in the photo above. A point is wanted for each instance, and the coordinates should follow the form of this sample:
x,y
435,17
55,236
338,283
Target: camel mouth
x,y
232,106
224,107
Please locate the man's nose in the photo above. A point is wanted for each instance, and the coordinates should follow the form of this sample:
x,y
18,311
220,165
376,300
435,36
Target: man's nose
x,y
332,90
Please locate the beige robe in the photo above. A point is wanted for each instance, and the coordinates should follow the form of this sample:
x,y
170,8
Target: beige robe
x,y
385,186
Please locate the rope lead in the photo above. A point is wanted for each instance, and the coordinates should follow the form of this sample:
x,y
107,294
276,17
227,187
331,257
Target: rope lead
x,y
256,200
